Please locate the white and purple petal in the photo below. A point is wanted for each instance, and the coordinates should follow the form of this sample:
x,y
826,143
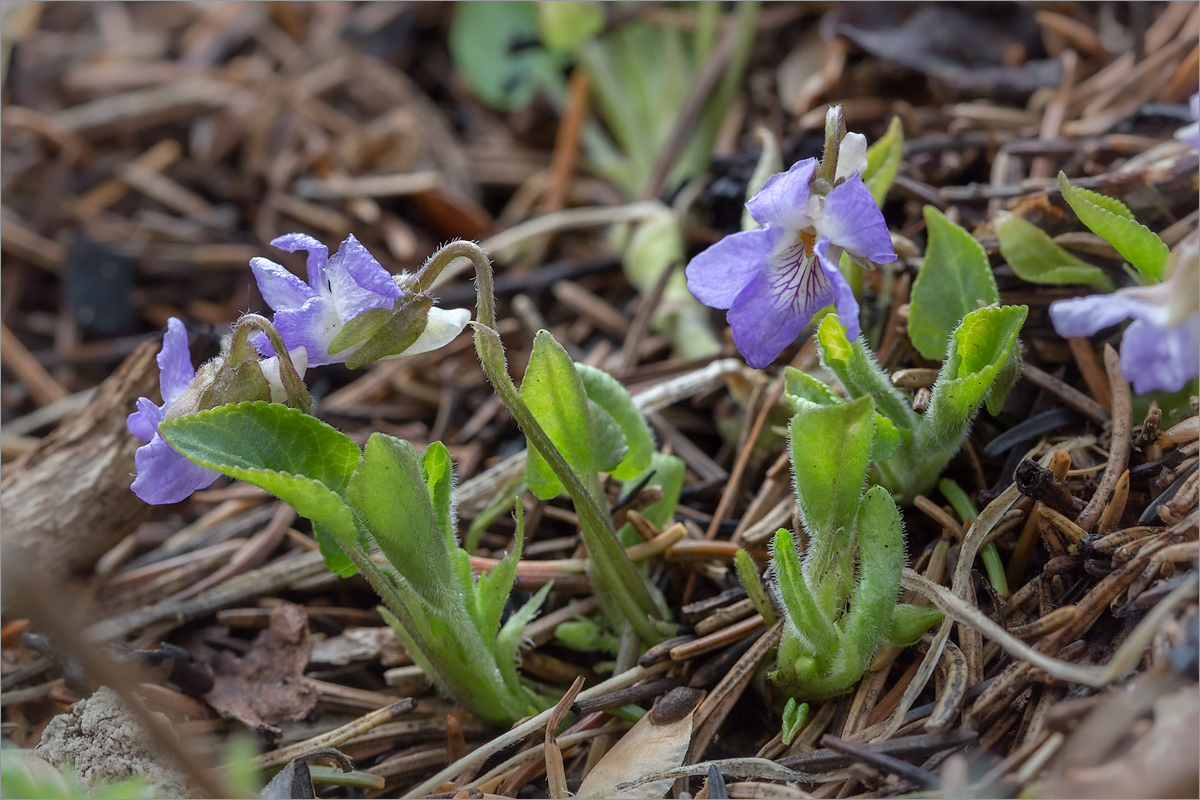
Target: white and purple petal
x,y
164,476
775,306
783,199
852,156
764,322
851,220
143,423
441,328
718,275
318,254
279,287
358,282
312,326
1083,316
366,271
174,361
843,296
1161,358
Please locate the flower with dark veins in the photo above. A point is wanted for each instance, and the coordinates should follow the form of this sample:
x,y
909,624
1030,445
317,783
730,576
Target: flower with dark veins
x,y
775,278
1160,349
339,288
163,474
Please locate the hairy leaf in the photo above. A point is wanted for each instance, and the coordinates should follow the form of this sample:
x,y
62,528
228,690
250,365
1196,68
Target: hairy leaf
x,y
298,458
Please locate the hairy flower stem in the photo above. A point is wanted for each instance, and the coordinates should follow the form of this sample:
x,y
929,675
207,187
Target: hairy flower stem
x,y
615,580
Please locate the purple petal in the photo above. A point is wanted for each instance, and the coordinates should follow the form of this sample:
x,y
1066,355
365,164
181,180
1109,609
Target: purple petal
x,y
783,199
763,327
174,362
164,476
1156,358
318,254
717,275
358,282
143,423
1083,316
312,326
773,309
843,296
279,287
853,222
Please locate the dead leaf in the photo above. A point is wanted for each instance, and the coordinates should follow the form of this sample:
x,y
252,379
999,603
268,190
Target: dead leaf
x,y
266,686
659,741
359,644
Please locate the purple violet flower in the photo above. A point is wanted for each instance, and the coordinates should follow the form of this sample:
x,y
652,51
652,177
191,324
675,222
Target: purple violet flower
x,y
339,288
163,474
1161,347
775,278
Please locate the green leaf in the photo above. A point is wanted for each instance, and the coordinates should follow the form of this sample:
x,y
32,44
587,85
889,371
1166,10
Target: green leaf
x,y
798,601
794,717
980,347
608,393
747,572
555,395
608,442
413,649
1111,220
492,588
831,448
881,560
803,391
1035,257
954,280
565,26
959,500
910,622
438,469
1005,380
335,557
298,458
800,387
883,161
490,45
508,640
856,368
391,499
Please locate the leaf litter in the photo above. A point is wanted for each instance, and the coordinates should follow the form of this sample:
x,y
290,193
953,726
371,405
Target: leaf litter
x,y
175,141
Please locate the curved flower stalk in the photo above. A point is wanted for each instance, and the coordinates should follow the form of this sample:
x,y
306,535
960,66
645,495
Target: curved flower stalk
x,y
775,279
1160,349
350,286
164,475
617,584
